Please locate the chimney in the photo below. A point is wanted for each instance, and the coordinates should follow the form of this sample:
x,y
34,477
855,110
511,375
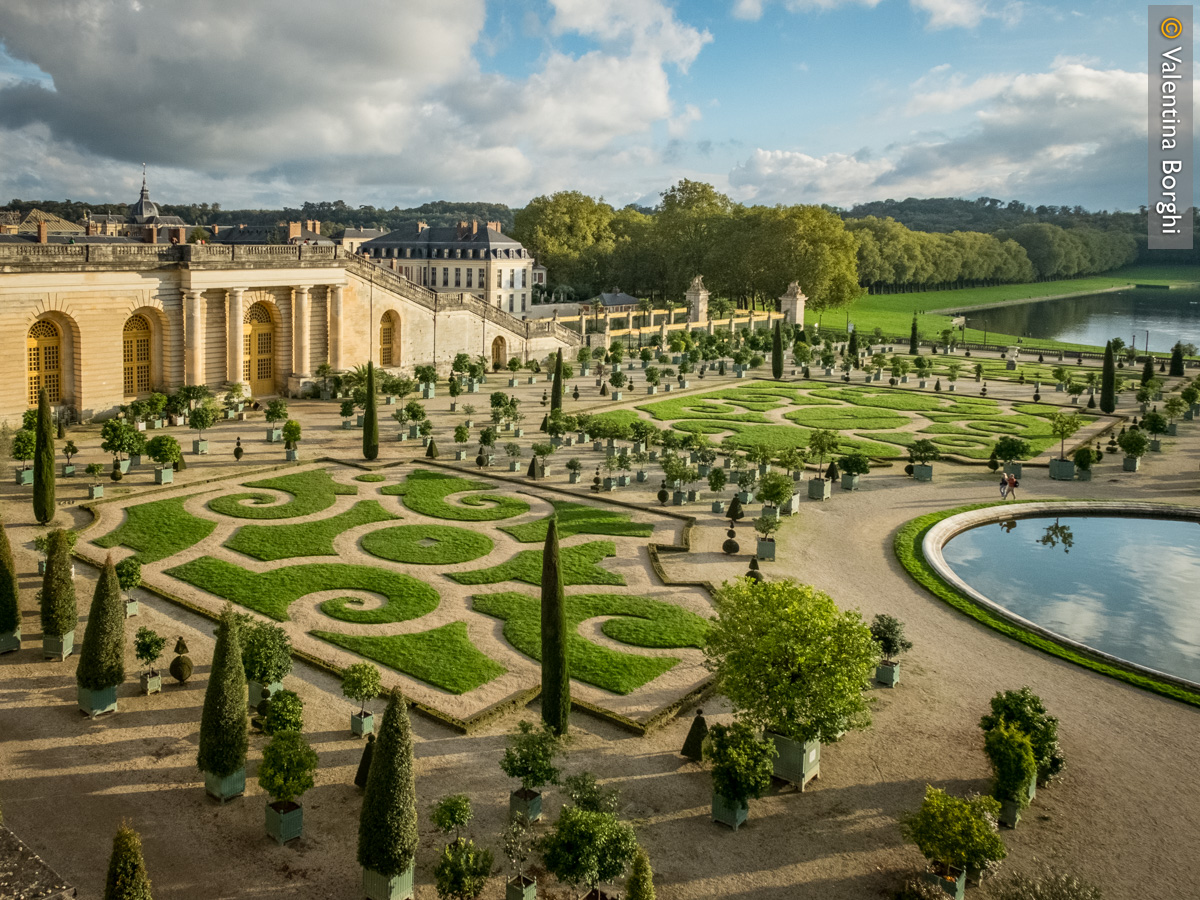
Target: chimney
x,y
43,232
151,234
495,226
216,229
421,226
474,226
89,229
180,235
461,231
316,226
293,231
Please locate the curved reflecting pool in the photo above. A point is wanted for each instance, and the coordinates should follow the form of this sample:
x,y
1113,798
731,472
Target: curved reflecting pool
x,y
1124,586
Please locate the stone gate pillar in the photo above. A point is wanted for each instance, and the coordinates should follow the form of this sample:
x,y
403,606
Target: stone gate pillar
x,y
697,300
791,304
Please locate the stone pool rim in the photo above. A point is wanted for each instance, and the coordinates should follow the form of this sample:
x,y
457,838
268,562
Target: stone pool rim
x,y
941,533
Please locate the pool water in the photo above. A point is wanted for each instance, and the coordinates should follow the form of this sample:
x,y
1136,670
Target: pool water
x,y
1125,586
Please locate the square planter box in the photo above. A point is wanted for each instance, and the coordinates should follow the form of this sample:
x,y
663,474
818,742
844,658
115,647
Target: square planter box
x,y
527,803
226,788
414,432
230,413
678,498
200,448
1155,445
622,481
55,646
401,436
792,507
1173,430
24,476
1083,475
97,703
923,473
796,762
1132,463
953,883
741,374
274,435
291,455
164,476
651,389
743,497
573,478
95,491
381,887
151,684
514,465
347,425
358,422
765,549
512,382
616,395
850,482
769,511
522,887
820,489
10,641
888,673
131,608
285,821
1062,469
641,477
254,691
684,385
1014,468
68,471
718,506
362,724
1010,813
728,813
952,389
428,392
460,455
532,379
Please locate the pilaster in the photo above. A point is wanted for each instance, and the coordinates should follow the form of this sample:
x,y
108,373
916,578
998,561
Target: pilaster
x,y
300,330
193,356
335,326
234,338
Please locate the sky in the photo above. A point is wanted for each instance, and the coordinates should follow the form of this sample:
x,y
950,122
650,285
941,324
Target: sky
x,y
272,103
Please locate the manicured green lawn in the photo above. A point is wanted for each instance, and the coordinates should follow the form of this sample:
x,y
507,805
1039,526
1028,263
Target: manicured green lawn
x,y
157,530
641,622
271,542
578,563
271,593
427,545
425,492
311,492
370,478
620,416
443,657
578,518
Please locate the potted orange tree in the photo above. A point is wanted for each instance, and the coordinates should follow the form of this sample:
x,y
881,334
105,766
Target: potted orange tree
x,y
529,758
286,773
741,770
955,834
888,633
361,682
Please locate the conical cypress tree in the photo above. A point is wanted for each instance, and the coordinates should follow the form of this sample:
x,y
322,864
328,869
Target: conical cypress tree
x,y
43,462
556,389
223,739
640,885
127,878
1108,381
852,350
387,826
777,353
556,672
1148,369
802,336
59,611
370,418
1176,364
913,339
10,595
431,452
102,657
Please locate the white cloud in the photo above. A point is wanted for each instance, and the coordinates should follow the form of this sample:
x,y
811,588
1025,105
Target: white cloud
x,y
942,13
1074,132
678,125
649,26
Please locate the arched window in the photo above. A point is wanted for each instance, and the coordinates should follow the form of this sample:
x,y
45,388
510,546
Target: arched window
x,y
136,356
44,347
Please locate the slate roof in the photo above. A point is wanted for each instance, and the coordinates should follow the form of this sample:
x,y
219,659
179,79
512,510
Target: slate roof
x,y
615,298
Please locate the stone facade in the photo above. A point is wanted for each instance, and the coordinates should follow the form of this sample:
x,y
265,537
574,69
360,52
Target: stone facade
x,y
264,315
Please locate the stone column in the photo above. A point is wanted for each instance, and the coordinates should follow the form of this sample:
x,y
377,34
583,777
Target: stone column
x,y
697,300
335,326
234,339
193,328
791,304
300,330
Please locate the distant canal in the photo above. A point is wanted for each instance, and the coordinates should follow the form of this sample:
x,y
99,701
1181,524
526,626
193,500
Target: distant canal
x,y
1169,316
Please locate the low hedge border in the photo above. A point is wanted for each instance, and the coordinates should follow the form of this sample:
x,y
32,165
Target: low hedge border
x,y
908,548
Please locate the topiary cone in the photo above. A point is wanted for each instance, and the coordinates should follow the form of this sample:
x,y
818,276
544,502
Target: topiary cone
x,y
431,452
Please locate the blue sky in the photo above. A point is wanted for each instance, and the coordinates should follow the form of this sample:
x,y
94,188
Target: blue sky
x,y
773,101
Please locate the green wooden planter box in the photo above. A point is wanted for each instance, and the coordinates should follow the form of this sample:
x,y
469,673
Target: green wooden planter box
x,y
56,646
527,803
95,491
428,392
151,684
383,887
1155,445
97,703
362,724
573,478
227,788
10,641
765,549
254,691
1132,463
1062,469
24,476
1173,430
1014,468
850,482
796,762
1084,475
1010,813
727,813
347,425
522,887
285,821
131,609
274,435
718,506
291,455
953,882
165,475
888,673
68,471
820,489
923,473
200,448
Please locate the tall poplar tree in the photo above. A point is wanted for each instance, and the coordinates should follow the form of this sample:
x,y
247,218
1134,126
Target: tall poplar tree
x,y
223,739
556,672
1108,381
387,825
913,339
370,418
556,390
777,352
102,657
43,462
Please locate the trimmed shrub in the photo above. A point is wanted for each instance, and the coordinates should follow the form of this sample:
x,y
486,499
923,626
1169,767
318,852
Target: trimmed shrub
x,y
102,657
59,611
127,877
266,652
43,462
370,418
640,885
387,827
10,593
287,767
556,671
223,739
586,848
285,712
1024,710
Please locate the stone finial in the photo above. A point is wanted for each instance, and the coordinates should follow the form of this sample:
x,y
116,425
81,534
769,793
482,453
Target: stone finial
x,y
791,304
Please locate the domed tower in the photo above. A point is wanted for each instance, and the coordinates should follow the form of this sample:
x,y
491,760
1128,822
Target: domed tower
x,y
144,209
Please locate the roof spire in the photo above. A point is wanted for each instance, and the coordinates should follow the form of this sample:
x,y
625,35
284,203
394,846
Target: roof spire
x,y
143,177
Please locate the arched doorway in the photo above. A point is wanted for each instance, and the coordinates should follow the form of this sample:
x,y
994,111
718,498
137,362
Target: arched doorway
x,y
136,374
499,354
44,346
389,340
258,350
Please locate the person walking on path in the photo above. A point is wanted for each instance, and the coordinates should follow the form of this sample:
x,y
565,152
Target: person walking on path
x,y
1012,487
1003,487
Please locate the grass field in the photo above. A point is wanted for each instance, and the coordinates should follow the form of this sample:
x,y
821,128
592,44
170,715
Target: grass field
x,y
640,622
427,545
157,530
425,492
578,564
311,491
271,542
578,518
